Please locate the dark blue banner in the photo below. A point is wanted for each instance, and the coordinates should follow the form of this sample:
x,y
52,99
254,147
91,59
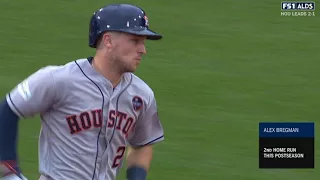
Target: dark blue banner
x,y
291,129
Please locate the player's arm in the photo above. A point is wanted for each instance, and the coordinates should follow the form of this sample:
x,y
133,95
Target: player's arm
x,y
138,162
147,132
8,135
32,96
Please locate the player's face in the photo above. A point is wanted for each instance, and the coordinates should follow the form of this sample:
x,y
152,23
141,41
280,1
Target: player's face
x,y
128,51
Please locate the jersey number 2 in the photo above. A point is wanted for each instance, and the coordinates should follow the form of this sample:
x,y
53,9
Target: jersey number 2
x,y
118,158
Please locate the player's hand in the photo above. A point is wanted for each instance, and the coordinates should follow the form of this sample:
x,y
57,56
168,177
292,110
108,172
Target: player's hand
x,y
8,172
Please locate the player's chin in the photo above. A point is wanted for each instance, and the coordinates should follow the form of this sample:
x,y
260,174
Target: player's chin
x,y
131,69
135,66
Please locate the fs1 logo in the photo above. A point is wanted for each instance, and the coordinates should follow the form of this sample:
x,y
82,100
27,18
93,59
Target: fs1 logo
x,y
298,6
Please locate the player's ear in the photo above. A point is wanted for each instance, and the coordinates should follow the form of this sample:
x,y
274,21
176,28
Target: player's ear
x,y
107,40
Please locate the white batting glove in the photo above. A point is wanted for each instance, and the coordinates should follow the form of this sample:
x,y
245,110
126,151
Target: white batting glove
x,y
13,177
9,173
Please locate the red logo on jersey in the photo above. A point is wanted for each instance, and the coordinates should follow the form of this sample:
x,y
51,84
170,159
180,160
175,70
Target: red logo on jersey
x,y
137,103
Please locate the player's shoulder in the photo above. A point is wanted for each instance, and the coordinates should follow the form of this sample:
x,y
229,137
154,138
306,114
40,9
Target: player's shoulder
x,y
70,67
45,72
63,71
59,74
141,86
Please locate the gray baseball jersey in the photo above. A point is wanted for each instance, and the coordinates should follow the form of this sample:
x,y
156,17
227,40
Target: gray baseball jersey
x,y
86,123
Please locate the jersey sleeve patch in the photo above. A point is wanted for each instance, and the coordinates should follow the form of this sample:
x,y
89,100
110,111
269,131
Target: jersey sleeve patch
x,y
24,90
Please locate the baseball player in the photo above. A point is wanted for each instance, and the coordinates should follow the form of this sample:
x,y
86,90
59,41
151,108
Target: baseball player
x,y
92,110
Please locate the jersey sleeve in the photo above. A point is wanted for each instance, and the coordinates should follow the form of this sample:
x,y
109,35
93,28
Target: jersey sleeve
x,y
148,129
34,95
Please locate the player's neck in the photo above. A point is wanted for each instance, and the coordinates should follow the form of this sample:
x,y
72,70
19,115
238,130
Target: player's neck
x,y
107,70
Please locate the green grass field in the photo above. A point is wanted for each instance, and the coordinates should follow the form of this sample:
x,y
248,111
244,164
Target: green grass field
x,y
222,67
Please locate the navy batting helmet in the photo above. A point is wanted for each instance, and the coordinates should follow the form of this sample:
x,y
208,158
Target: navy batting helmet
x,y
120,17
